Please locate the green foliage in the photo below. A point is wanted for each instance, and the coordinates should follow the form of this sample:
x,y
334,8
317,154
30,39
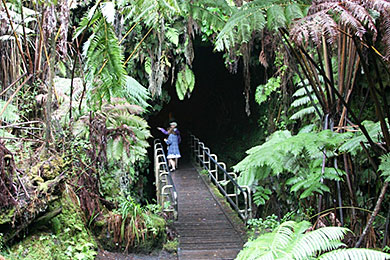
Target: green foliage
x,y
300,155
140,226
290,240
310,180
11,113
303,104
384,167
261,195
185,82
353,145
264,91
67,239
211,15
151,12
253,17
106,76
293,11
105,73
171,246
276,17
259,226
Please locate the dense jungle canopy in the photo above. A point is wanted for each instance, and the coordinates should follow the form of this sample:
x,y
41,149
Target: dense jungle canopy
x,y
293,95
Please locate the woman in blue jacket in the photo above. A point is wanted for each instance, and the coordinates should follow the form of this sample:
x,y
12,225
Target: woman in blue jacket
x,y
173,148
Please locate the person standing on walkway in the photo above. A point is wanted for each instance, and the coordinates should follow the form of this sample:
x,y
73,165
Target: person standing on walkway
x,y
173,125
173,148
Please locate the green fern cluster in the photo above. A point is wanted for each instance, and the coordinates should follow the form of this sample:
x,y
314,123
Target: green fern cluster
x,y
185,82
303,103
254,17
128,142
105,73
291,240
151,12
300,156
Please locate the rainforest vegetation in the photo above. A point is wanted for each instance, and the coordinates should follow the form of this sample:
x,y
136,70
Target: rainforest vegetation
x,y
302,117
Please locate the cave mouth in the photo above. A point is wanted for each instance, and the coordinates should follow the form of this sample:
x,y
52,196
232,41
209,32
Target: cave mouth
x,y
215,111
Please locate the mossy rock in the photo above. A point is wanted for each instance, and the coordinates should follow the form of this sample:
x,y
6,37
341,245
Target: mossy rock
x,y
67,237
6,215
47,169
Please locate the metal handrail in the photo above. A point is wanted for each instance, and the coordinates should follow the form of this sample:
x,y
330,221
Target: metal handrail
x,y
165,188
239,197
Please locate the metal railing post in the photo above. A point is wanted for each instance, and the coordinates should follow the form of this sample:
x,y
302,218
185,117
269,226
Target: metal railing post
x,y
165,188
203,156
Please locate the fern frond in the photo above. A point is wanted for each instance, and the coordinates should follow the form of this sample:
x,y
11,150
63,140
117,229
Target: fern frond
x,y
355,254
10,114
293,12
353,144
303,100
318,241
292,241
276,17
241,25
313,27
384,166
303,112
105,73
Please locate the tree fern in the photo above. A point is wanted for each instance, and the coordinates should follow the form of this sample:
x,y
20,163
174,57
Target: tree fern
x,y
105,73
292,241
325,16
354,254
253,17
300,155
384,167
353,145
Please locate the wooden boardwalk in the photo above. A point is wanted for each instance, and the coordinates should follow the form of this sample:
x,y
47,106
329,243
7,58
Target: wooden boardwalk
x,y
204,228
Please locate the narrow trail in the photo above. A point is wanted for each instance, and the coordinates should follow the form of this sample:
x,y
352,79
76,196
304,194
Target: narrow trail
x,y
204,227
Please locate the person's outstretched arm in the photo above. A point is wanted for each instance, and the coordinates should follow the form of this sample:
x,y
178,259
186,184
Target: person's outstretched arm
x,y
165,132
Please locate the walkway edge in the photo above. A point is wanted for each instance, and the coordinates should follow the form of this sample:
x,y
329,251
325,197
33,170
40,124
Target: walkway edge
x,y
231,215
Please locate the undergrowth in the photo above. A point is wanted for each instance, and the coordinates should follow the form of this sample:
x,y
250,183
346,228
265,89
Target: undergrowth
x,y
63,237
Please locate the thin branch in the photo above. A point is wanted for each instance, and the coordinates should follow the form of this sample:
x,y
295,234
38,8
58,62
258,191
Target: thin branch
x,y
371,85
341,98
14,94
31,68
136,47
21,139
15,34
12,84
300,76
372,218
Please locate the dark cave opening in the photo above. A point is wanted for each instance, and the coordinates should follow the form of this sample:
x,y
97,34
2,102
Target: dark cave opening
x,y
216,108
215,111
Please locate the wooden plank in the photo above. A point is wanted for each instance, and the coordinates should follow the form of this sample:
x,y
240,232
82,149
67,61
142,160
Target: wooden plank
x,y
205,232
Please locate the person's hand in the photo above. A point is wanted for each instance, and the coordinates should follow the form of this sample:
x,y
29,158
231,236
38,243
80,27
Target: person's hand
x,y
165,139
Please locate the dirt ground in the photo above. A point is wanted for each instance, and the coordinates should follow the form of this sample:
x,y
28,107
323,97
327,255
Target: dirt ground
x,y
162,255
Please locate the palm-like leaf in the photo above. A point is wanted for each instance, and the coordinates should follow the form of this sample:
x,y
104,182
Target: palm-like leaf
x,y
354,254
384,167
353,145
326,16
292,241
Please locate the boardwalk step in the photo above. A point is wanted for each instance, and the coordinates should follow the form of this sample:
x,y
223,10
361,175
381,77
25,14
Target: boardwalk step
x,y
208,254
204,230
